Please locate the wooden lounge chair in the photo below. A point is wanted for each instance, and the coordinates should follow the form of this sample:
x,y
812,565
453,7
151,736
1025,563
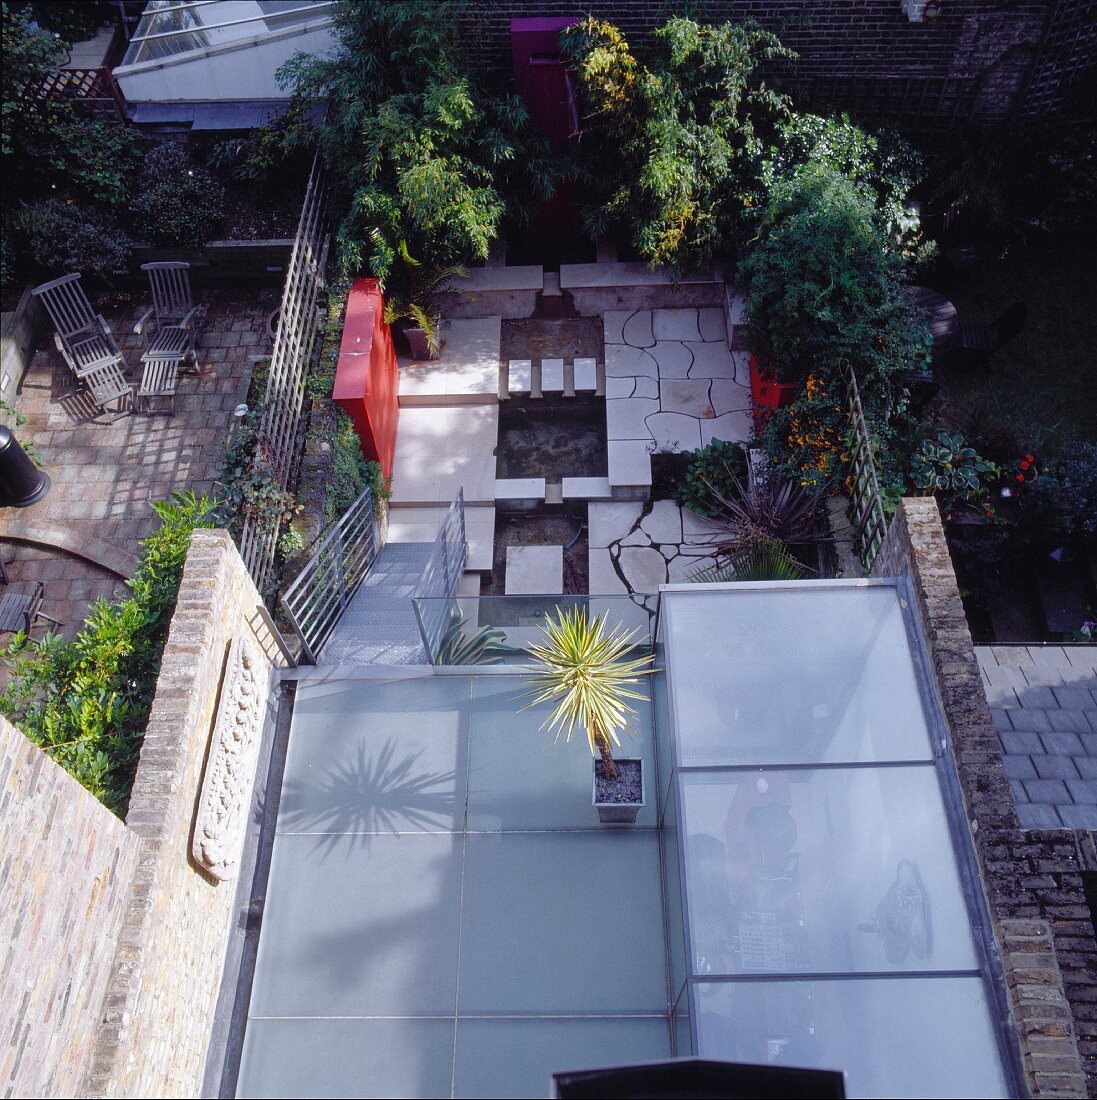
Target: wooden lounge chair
x,y
979,342
19,611
169,329
85,340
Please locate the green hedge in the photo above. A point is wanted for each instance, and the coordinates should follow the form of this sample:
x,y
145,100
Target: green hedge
x,y
86,701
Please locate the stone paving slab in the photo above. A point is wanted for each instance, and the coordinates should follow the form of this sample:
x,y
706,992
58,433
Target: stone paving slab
x,y
672,382
1044,705
105,468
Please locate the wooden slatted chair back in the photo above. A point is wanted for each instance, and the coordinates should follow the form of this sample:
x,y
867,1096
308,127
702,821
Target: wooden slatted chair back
x,y
68,306
171,296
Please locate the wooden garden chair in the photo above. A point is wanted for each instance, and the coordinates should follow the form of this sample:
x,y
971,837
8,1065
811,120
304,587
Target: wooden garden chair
x,y
19,611
85,340
169,329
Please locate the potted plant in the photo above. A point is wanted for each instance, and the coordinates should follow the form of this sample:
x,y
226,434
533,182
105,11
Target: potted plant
x,y
411,303
588,674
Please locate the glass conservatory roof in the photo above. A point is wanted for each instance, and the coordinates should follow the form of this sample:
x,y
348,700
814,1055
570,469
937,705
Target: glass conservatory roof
x,y
830,904
169,28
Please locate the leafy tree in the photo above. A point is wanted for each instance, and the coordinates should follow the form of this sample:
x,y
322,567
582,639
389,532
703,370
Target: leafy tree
x,y
670,151
430,166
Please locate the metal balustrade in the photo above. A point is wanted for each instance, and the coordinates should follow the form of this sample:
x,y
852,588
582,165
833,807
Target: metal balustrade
x,y
441,576
316,600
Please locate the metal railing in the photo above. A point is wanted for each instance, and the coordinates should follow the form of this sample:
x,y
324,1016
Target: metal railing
x,y
867,506
441,575
295,347
322,590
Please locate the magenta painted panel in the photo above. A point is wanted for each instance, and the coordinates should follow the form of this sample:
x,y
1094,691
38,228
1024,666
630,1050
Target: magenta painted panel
x,y
542,78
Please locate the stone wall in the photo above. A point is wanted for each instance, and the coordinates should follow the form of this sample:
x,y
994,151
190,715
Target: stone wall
x,y
995,47
1014,866
66,863
166,970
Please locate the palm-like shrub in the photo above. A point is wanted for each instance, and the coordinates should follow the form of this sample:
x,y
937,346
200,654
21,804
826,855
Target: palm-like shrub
x,y
588,673
760,561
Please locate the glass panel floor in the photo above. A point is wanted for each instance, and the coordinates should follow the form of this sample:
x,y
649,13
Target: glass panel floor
x,y
444,915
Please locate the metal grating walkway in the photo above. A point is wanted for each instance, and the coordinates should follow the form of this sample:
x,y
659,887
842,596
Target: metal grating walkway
x,y
379,627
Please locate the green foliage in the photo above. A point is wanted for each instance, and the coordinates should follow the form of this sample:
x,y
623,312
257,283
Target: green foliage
x,y
882,163
97,160
260,155
1062,501
415,297
30,55
58,236
426,160
73,21
947,465
86,701
251,491
587,671
482,647
711,470
179,203
760,561
351,471
671,150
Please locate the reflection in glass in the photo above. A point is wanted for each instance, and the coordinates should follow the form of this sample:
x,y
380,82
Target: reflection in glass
x,y
823,870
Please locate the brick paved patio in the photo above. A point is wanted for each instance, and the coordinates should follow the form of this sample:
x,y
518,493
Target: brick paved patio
x,y
83,537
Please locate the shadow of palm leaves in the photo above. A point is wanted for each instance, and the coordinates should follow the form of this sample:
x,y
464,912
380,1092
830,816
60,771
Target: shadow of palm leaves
x,y
371,795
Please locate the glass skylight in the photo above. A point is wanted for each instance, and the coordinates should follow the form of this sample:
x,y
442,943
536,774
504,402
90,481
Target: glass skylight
x,y
172,27
829,912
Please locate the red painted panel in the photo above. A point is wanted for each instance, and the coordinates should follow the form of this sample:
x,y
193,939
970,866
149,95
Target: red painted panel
x,y
367,376
542,78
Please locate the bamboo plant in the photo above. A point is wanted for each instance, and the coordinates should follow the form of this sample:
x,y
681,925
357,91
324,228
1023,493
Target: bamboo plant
x,y
587,673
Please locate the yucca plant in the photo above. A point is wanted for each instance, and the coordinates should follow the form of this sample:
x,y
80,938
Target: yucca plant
x,y
758,561
587,672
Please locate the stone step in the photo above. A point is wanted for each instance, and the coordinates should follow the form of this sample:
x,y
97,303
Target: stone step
x,y
418,523
519,377
440,450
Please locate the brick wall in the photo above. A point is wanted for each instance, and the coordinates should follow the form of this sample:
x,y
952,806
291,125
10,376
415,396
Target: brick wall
x,y
166,970
1028,895
977,57
65,867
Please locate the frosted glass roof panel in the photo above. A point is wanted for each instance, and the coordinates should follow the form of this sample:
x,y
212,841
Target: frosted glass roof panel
x,y
836,870
793,675
171,27
892,1036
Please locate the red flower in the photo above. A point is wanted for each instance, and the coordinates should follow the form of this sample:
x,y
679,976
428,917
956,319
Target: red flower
x,y
1030,458
1020,477
1025,465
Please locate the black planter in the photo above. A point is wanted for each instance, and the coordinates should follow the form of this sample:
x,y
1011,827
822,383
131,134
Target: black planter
x,y
21,482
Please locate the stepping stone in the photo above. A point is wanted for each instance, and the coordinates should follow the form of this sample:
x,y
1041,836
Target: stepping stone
x,y
586,375
711,323
626,416
674,431
675,324
602,577
552,376
711,361
613,323
644,568
520,376
586,488
629,463
664,523
520,492
637,330
728,396
689,396
611,522
673,357
733,426
466,372
535,571
623,361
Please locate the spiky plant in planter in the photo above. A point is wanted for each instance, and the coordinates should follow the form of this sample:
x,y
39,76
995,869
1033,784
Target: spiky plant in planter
x,y
411,296
588,673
